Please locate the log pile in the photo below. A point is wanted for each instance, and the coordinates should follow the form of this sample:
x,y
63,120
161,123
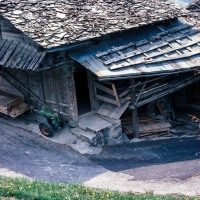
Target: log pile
x,y
53,23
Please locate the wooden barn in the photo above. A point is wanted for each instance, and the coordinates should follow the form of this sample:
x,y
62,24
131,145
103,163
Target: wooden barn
x,y
102,64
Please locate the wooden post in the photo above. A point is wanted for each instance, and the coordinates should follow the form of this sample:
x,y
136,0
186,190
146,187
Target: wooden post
x,y
134,109
55,90
93,102
42,82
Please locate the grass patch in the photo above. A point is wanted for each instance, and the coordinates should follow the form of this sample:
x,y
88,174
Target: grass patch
x,y
37,190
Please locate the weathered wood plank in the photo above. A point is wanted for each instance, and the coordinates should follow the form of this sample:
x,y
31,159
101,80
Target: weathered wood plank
x,y
26,55
112,111
113,50
115,94
29,59
134,110
149,47
36,60
151,59
105,99
15,102
9,52
103,88
169,90
12,60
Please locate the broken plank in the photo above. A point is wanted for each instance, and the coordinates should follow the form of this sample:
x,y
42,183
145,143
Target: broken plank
x,y
115,94
105,99
103,88
113,111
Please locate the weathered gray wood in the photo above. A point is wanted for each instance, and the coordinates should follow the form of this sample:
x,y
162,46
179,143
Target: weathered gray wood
x,y
105,99
149,81
12,60
16,83
15,102
29,59
103,88
26,56
4,46
124,93
116,95
169,90
113,50
138,97
147,48
134,110
35,65
113,111
9,50
42,82
171,58
36,60
151,59
55,90
93,102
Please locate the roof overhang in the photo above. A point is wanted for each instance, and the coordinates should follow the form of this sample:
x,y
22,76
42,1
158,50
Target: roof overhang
x,y
20,55
152,50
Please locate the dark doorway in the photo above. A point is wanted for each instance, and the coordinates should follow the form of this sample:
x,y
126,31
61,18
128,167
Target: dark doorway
x,y
82,90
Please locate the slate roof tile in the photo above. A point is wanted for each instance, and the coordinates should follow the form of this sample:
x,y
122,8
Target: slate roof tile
x,y
53,23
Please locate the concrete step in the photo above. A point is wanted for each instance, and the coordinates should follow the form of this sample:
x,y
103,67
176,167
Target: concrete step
x,y
85,135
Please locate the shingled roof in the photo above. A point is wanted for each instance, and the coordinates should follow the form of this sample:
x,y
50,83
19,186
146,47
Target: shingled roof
x,y
53,23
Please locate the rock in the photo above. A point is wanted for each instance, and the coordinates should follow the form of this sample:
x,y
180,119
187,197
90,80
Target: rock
x,y
85,135
17,12
85,148
60,15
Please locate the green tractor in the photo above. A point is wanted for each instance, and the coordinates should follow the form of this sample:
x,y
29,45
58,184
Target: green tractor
x,y
54,120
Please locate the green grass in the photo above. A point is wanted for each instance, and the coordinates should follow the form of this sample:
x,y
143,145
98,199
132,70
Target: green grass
x,y
37,190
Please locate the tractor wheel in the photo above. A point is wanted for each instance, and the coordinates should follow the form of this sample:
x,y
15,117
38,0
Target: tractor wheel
x,y
46,129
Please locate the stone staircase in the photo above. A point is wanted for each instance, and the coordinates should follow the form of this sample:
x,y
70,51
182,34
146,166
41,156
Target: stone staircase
x,y
99,130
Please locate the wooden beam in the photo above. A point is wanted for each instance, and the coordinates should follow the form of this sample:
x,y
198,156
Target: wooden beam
x,y
168,90
93,102
103,88
105,99
116,95
55,90
134,110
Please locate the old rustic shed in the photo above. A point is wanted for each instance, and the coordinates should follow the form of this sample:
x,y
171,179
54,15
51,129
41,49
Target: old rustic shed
x,y
94,60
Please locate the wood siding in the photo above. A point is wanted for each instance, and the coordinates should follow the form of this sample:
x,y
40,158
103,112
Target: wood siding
x,y
56,88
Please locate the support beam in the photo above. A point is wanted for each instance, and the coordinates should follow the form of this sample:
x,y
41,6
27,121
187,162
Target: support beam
x,y
93,102
134,110
53,78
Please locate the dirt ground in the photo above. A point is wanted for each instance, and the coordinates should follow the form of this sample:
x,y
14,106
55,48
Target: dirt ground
x,y
163,167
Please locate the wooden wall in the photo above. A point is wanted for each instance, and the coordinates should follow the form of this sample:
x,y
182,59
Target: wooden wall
x,y
56,88
6,86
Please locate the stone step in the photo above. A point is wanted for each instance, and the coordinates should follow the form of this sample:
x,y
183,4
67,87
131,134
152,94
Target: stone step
x,y
94,124
85,135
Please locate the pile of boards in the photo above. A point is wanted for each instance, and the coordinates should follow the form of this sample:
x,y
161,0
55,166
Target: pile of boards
x,y
147,126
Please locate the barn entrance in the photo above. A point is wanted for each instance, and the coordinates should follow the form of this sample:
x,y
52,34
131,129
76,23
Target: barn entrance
x,y
82,90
